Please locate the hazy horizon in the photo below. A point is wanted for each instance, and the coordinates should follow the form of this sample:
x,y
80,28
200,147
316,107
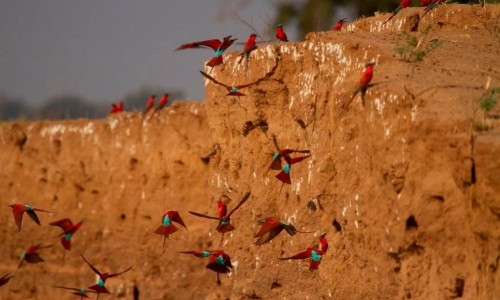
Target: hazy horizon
x,y
102,50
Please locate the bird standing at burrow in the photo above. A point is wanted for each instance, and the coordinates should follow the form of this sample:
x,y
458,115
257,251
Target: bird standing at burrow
x,y
364,82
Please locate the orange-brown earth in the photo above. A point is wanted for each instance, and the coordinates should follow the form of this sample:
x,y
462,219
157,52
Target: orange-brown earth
x,y
406,190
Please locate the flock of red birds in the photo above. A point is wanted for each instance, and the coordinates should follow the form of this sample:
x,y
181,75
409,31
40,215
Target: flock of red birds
x,y
219,261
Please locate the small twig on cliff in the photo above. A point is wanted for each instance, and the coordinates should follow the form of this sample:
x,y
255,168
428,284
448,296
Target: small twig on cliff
x,y
246,23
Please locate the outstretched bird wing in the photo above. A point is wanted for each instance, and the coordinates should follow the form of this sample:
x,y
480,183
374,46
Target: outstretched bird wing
x,y
214,81
65,224
176,217
203,216
302,255
116,274
92,267
245,198
214,44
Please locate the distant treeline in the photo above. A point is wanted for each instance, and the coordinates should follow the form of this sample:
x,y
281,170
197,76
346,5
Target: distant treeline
x,y
71,106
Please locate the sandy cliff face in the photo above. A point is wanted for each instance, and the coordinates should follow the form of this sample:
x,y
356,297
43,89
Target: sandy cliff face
x,y
407,194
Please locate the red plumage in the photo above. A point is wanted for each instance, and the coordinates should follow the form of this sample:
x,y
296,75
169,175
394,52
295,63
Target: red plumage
x,y
280,34
18,209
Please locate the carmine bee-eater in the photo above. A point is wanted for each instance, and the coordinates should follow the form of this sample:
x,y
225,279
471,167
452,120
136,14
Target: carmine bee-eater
x,y
19,209
235,90
365,80
5,279
284,175
167,227
219,261
431,5
249,47
271,228
218,46
69,230
313,253
280,33
149,104
339,24
223,218
161,104
31,255
425,2
99,288
276,163
116,108
402,4
76,291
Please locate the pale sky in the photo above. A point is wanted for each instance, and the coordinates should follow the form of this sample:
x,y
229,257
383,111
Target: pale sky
x,y
102,49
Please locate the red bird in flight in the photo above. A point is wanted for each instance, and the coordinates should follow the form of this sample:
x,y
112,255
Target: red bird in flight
x,y
217,45
284,175
365,80
31,255
99,288
69,229
167,227
19,209
314,254
339,24
222,216
78,292
219,261
234,90
271,227
402,4
280,33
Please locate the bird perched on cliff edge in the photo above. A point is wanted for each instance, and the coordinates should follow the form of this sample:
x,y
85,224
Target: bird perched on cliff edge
x,y
280,33
339,24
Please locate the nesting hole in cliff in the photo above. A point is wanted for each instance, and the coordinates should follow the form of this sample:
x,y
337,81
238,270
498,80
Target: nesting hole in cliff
x,y
136,292
20,138
57,146
79,187
411,223
248,127
263,126
275,285
473,171
123,216
133,163
438,198
301,124
459,287
337,225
